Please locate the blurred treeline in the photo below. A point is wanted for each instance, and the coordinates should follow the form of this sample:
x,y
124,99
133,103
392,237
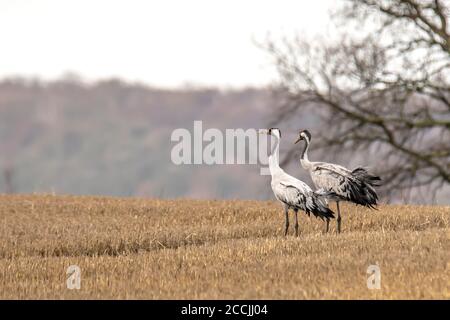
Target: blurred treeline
x,y
114,138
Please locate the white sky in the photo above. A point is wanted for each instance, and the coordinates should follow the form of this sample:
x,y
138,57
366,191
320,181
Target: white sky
x,y
164,43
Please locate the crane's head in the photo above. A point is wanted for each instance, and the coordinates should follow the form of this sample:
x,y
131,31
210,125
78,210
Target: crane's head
x,y
271,132
303,135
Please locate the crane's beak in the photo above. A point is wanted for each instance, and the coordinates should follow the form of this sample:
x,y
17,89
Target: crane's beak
x,y
298,139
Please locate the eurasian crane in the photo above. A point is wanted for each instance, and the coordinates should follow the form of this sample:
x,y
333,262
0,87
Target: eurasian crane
x,y
293,193
355,185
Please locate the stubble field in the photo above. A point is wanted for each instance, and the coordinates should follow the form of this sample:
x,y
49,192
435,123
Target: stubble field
x,y
175,249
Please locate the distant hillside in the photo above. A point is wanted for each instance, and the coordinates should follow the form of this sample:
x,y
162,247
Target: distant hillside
x,y
113,138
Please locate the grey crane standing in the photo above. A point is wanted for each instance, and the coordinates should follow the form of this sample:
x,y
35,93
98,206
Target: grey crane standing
x,y
356,186
293,193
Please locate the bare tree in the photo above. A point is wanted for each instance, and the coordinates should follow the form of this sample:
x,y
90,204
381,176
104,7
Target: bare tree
x,y
383,88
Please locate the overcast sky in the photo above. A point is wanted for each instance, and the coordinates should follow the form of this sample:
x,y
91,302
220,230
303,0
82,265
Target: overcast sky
x,y
164,43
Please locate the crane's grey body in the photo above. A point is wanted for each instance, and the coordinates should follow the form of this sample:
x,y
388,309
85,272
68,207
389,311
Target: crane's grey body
x,y
297,195
355,186
293,193
347,185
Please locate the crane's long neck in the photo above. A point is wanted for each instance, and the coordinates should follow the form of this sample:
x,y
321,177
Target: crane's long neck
x,y
304,160
274,164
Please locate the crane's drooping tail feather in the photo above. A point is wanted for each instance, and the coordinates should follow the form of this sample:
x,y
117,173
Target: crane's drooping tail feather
x,y
318,206
361,188
365,176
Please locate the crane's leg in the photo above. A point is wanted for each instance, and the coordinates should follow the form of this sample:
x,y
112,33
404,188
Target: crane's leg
x,y
296,222
338,218
286,212
328,225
